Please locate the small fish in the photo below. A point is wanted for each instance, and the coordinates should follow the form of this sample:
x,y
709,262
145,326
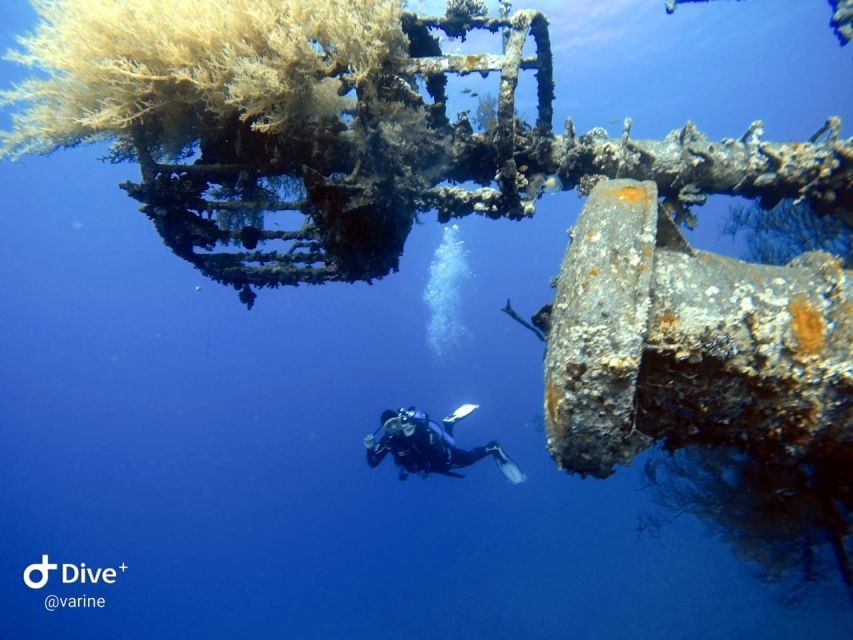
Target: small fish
x,y
552,184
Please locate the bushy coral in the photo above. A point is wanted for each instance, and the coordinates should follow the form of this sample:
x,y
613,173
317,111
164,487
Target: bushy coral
x,y
169,70
465,9
778,235
789,522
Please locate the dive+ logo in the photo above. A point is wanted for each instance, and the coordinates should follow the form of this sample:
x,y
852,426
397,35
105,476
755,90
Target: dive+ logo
x,y
71,573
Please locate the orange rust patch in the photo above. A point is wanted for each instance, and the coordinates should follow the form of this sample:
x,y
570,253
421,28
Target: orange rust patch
x,y
472,61
632,194
552,397
667,322
647,252
841,316
807,324
593,272
628,193
834,267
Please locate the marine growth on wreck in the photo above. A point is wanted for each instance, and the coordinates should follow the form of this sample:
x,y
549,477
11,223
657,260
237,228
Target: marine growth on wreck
x,y
243,112
331,117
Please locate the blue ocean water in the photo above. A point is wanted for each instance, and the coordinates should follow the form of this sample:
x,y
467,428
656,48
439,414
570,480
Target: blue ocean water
x,y
147,418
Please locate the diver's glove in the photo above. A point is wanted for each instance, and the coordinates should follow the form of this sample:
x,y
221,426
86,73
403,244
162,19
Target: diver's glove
x,y
369,441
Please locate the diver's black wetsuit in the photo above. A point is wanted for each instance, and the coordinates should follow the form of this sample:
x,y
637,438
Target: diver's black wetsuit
x,y
425,451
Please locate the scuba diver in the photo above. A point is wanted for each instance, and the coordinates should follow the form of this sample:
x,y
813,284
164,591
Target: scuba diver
x,y
423,446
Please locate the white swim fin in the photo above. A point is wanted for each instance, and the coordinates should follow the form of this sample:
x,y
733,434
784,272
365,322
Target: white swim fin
x,y
461,412
512,472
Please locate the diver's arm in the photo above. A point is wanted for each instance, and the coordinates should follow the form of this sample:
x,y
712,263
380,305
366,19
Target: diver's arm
x,y
377,452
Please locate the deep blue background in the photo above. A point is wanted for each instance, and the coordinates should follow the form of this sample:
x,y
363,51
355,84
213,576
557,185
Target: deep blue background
x,y
218,452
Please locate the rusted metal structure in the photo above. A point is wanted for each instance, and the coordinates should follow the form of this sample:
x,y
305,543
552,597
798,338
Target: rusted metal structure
x,y
841,21
750,366
355,187
647,339
345,191
651,339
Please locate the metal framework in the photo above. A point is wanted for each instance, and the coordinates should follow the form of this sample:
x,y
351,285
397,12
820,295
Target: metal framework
x,y
841,22
357,193
346,191
651,339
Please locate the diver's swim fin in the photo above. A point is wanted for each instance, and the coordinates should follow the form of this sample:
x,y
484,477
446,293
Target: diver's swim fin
x,y
512,472
461,412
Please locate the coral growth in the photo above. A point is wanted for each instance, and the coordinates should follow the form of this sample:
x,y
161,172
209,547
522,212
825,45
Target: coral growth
x,y
113,69
790,523
465,9
778,235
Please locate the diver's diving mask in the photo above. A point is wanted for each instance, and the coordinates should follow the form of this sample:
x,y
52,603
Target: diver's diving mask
x,y
396,425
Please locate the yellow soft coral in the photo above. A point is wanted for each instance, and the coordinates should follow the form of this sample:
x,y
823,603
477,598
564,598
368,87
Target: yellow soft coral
x,y
171,68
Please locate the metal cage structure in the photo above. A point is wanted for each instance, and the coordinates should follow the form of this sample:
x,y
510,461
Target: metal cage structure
x,y
336,199
346,195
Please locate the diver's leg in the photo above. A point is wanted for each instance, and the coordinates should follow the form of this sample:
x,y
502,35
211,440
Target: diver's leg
x,y
462,458
495,449
448,427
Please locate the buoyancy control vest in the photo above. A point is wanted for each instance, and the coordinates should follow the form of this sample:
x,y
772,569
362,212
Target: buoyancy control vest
x,y
418,446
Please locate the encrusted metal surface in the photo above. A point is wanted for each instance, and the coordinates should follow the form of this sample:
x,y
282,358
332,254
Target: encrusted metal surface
x,y
651,339
598,321
355,187
738,352
842,20
337,200
687,165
